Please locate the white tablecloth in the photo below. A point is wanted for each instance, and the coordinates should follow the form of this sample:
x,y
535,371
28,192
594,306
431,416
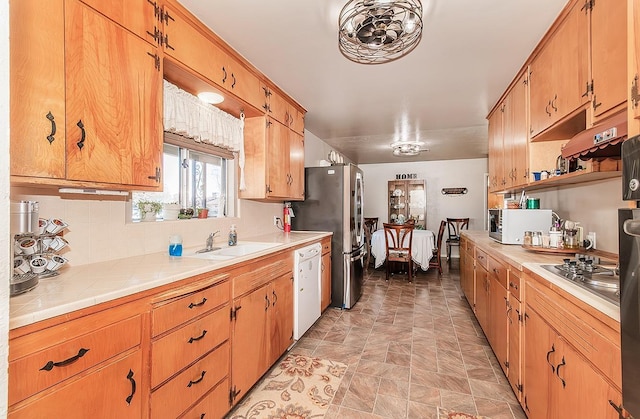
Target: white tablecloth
x,y
421,247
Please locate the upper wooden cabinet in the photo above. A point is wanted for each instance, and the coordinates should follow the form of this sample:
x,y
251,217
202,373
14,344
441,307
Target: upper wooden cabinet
x,y
608,57
274,162
283,111
82,120
633,55
138,16
559,73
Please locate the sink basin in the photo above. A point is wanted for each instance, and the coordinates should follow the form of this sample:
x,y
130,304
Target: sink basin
x,y
244,249
208,256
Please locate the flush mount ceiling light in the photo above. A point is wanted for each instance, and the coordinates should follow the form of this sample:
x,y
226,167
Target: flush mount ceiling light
x,y
407,148
211,98
379,31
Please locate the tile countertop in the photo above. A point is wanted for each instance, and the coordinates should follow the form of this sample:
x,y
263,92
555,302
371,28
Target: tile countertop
x,y
87,285
531,261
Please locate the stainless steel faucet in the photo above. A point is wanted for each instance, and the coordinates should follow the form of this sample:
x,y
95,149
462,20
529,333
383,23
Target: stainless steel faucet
x,y
209,245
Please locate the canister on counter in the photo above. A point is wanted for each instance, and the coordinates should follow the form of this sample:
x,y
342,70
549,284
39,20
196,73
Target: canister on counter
x,y
536,239
527,240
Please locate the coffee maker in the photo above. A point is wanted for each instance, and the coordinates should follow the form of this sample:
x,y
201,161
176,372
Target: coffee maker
x,y
24,224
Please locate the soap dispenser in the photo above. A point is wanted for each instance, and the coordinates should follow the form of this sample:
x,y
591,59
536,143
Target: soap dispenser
x,y
233,235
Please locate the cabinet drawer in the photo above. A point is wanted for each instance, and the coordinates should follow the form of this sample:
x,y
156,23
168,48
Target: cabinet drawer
x,y
514,283
38,371
191,384
260,275
178,349
180,310
110,392
482,258
214,405
498,270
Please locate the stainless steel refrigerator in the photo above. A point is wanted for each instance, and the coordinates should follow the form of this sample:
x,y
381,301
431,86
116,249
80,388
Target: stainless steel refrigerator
x,y
333,202
629,253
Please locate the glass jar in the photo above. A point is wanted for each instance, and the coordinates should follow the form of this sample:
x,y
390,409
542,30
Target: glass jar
x,y
536,238
528,239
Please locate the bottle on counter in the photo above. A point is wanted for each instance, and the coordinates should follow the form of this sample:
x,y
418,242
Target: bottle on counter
x,y
528,236
233,235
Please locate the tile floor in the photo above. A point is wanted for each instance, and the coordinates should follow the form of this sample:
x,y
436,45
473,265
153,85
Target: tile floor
x,y
411,348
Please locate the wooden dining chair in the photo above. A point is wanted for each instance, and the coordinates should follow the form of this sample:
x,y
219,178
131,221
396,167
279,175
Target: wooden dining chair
x,y
398,239
436,261
454,226
370,225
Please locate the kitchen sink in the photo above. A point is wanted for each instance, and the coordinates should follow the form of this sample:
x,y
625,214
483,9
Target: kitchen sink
x,y
228,253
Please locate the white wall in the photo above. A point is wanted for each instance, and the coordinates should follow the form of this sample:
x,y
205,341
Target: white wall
x,y
594,205
5,252
437,174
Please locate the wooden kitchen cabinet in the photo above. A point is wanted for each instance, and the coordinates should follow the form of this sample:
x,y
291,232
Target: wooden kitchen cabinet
x,y
36,97
262,320
90,366
633,66
138,16
325,267
467,276
496,150
100,74
274,168
498,311
282,110
517,137
483,300
514,318
608,57
558,77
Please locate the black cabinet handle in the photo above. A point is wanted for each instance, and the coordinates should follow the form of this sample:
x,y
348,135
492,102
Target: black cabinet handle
x,y
51,137
266,299
156,177
80,143
553,349
198,380
586,92
513,285
596,105
201,303
553,103
562,364
234,81
133,387
224,77
275,298
191,340
49,365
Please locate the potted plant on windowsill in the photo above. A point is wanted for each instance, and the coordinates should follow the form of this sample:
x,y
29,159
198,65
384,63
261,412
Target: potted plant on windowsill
x,y
203,212
170,211
148,210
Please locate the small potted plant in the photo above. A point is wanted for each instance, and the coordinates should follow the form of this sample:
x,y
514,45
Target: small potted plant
x,y
203,212
170,211
148,210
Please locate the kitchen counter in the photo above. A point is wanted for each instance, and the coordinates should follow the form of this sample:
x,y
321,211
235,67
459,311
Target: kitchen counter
x,y
88,285
531,262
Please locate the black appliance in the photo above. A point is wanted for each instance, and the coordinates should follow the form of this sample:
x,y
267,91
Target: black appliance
x,y
629,254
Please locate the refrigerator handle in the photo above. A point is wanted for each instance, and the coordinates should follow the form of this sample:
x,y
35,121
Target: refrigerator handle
x,y
359,217
632,227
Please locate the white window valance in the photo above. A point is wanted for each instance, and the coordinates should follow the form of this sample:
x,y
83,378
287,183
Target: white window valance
x,y
188,116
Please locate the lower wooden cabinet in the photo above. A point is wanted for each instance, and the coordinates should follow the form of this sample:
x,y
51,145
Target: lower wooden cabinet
x,y
325,266
214,405
467,275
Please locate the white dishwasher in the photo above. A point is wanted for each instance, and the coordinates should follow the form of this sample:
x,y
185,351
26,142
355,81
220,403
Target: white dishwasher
x,y
306,288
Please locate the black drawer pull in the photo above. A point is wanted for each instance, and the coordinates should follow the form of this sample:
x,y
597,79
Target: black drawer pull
x,y
191,340
562,364
513,285
51,137
49,365
80,143
553,349
198,380
275,298
133,387
201,303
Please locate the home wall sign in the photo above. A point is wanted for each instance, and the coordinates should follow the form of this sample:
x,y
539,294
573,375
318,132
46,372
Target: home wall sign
x,y
405,176
454,191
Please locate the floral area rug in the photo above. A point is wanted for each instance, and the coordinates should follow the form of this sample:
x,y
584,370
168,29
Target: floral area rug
x,y
449,414
299,387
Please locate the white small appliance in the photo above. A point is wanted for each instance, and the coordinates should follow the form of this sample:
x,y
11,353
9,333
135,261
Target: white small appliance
x,y
507,226
306,288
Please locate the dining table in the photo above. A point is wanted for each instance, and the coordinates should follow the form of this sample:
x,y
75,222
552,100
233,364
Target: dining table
x,y
422,246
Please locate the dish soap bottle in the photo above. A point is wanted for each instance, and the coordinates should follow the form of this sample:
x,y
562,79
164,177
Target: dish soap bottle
x,y
233,235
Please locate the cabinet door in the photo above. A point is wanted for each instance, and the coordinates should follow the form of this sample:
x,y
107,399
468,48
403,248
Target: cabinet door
x,y
633,39
138,16
296,166
541,91
194,50
278,159
296,120
573,379
540,358
496,156
249,350
326,281
519,136
114,102
498,322
608,55
281,313
113,391
278,107
243,83
468,278
36,101
482,298
513,318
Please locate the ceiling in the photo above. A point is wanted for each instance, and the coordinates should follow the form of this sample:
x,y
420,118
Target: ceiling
x,y
439,94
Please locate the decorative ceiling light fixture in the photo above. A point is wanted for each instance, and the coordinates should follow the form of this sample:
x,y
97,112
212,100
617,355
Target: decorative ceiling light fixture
x,y
379,31
407,148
